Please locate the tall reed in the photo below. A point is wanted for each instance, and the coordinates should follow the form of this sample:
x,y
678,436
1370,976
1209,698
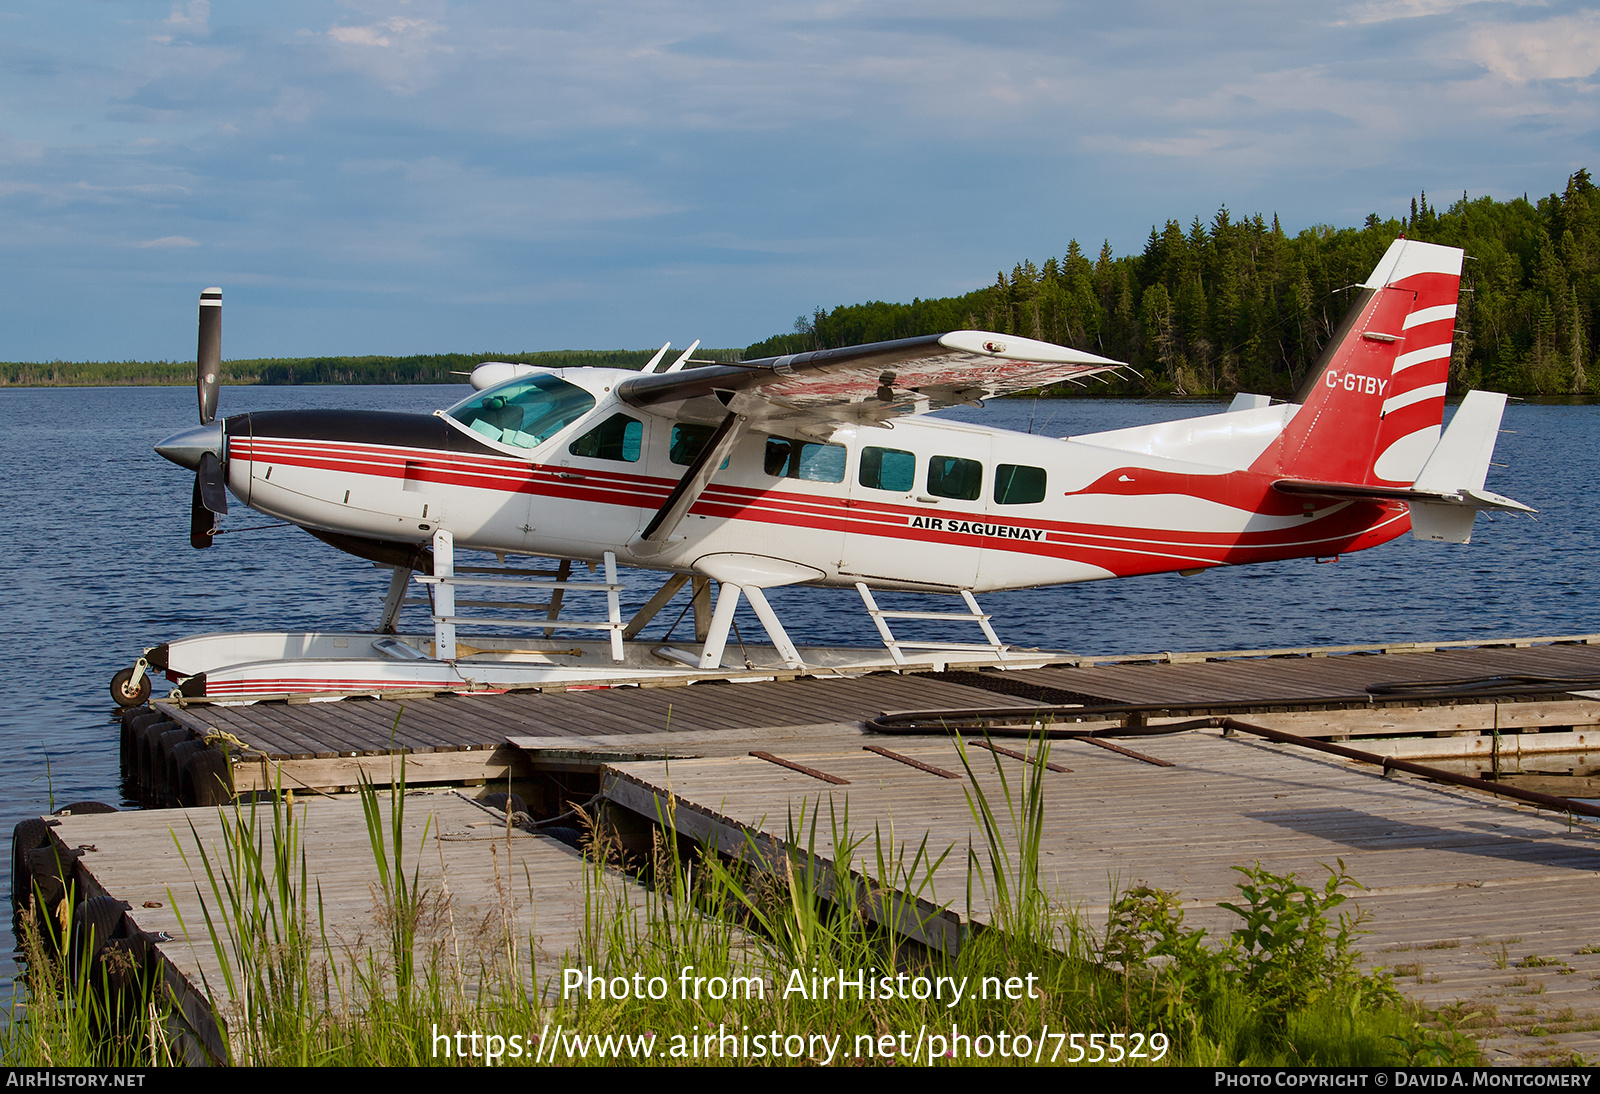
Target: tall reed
x,y
781,919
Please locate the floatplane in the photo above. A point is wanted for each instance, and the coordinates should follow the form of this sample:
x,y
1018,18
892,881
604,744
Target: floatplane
x,y
822,469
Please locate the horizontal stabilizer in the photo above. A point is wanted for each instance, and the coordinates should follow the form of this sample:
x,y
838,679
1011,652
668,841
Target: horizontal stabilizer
x,y
1449,490
1466,499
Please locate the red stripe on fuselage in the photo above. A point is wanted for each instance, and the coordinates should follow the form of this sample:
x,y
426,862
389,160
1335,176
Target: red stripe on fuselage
x,y
1124,550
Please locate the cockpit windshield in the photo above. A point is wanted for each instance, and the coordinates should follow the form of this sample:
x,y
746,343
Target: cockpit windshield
x,y
526,413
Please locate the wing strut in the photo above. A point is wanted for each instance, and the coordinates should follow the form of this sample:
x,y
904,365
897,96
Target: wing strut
x,y
654,537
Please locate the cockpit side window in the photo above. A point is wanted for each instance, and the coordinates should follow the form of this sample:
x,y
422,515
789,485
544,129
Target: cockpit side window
x,y
687,441
616,438
526,413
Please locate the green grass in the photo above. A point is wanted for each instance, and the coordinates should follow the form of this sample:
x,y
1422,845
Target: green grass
x,y
1283,988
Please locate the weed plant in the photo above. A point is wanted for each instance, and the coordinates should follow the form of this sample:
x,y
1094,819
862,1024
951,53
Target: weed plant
x,y
70,1013
1285,987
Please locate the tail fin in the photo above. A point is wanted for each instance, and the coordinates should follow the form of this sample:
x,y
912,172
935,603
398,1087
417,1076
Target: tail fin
x,y
1374,411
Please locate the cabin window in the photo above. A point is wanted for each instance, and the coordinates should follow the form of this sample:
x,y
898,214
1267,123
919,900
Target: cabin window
x,y
954,477
887,469
526,412
687,441
616,438
1016,484
806,460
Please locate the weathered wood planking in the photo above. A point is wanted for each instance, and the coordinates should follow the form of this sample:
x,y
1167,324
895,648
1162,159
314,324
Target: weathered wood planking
x,y
470,729
482,883
469,766
483,722
1285,679
1440,865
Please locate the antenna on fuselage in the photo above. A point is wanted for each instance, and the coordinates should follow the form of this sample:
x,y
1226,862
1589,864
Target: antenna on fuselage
x,y
650,365
683,357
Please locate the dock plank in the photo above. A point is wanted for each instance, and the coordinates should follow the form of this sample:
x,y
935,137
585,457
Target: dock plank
x,y
151,860
481,721
1438,864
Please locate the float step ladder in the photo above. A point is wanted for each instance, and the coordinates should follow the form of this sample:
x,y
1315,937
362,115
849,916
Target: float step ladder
x,y
446,578
896,646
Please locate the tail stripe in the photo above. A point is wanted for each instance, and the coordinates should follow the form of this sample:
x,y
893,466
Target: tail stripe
x,y
1415,395
1429,315
1421,356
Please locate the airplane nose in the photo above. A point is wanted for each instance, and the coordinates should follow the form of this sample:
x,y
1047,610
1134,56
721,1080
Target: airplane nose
x,y
186,448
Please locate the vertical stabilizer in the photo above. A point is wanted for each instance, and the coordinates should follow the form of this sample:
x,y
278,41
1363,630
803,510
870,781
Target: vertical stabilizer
x,y
1373,413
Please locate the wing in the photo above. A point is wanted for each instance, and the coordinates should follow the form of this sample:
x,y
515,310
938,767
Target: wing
x,y
863,384
813,393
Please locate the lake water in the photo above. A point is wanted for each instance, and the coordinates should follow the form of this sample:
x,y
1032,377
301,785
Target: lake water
x,y
97,566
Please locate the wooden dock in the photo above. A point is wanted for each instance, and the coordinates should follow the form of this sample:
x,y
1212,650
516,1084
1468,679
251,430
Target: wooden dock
x,y
1466,895
1470,898
491,892
462,739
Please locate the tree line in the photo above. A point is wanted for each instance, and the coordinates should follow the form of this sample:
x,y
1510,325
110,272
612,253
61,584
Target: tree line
x,y
1235,305
436,368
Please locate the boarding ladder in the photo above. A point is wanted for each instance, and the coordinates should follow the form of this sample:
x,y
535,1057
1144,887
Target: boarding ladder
x,y
447,577
895,646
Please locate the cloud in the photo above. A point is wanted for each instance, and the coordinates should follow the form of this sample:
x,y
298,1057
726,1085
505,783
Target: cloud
x,y
787,153
295,105
397,51
192,17
440,198
393,32
1563,48
1386,11
1197,143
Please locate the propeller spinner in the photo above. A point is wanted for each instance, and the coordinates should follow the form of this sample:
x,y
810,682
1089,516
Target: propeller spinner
x,y
203,449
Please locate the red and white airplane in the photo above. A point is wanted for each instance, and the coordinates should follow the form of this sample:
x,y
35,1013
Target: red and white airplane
x,y
824,468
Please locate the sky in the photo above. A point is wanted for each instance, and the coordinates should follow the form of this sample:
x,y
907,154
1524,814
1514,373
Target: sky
x,y
394,177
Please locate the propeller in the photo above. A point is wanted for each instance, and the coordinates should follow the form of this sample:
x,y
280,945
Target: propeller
x,y
210,489
203,449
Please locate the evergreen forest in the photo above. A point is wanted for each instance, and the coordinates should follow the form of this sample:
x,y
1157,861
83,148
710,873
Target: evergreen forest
x,y
1240,305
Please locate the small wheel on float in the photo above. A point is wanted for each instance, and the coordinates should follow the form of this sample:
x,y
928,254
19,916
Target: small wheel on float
x,y
125,692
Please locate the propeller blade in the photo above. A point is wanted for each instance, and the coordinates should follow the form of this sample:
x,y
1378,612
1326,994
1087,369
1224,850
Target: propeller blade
x,y
208,359
212,486
201,521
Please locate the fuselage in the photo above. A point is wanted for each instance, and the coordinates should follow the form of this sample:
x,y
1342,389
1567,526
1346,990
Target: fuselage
x,y
921,503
